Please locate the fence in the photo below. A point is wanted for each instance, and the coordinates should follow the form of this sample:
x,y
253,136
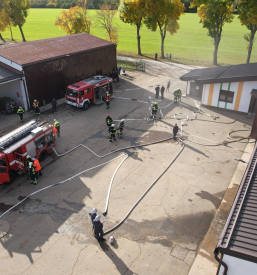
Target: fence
x,y
130,65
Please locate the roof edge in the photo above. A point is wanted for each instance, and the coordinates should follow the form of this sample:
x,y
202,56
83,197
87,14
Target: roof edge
x,y
66,56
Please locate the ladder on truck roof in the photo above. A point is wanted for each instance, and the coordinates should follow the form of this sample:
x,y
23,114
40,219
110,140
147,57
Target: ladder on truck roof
x,y
18,133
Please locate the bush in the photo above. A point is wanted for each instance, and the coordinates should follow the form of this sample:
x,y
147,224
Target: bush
x,y
51,5
38,5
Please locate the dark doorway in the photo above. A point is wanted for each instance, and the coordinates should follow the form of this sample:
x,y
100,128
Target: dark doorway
x,y
253,105
196,90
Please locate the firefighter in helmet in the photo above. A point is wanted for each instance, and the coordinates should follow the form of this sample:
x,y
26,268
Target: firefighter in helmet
x,y
112,132
121,126
20,112
57,126
36,107
32,174
108,121
107,100
154,110
179,94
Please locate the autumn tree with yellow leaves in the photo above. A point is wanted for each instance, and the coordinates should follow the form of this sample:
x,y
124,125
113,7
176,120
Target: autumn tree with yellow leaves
x,y
75,20
247,10
133,12
214,14
163,14
104,19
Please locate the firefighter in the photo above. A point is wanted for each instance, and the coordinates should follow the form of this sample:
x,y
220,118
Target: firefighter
x,y
175,131
98,229
54,131
108,121
121,126
154,110
32,174
29,159
112,132
20,112
107,100
175,95
36,106
57,126
37,167
179,94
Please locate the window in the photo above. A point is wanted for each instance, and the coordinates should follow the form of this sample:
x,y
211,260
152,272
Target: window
x,y
81,93
226,96
88,90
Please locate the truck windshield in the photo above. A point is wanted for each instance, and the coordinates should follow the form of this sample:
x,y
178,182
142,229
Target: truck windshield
x,y
71,92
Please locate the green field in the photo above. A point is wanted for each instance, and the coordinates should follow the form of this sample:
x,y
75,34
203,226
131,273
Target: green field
x,y
190,45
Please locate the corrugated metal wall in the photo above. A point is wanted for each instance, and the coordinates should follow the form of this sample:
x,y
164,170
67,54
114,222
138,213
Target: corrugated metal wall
x,y
49,80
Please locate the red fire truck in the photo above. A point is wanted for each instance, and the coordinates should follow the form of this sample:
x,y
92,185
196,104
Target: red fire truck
x,y
91,90
35,139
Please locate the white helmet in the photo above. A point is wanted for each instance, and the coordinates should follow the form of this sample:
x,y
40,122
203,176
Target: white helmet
x,y
20,107
97,218
28,156
35,100
30,164
54,119
94,210
122,120
111,240
113,125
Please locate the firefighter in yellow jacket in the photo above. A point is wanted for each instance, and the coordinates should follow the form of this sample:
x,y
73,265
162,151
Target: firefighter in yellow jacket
x,y
36,107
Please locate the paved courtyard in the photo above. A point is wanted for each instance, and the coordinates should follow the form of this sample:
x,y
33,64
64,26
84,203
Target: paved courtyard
x,y
51,233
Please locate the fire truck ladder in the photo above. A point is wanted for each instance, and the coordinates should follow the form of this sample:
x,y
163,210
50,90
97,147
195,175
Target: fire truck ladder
x,y
19,133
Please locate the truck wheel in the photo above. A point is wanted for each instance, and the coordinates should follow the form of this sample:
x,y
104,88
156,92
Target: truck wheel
x,y
43,155
86,106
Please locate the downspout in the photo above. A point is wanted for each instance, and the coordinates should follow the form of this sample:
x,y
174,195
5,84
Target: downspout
x,y
216,253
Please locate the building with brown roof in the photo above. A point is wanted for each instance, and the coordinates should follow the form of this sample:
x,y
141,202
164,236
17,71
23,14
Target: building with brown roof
x,y
44,68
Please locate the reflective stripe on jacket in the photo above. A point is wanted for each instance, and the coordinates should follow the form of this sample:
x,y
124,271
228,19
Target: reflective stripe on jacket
x,y
56,124
37,166
20,111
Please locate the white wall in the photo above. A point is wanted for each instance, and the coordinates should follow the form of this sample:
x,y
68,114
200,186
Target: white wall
x,y
10,89
234,87
238,266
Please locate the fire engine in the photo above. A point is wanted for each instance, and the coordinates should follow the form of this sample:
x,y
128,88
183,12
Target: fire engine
x,y
35,139
91,90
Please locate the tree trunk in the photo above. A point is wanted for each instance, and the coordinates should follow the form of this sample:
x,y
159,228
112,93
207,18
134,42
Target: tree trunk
x,y
163,35
216,46
253,31
162,49
1,37
23,37
138,39
11,32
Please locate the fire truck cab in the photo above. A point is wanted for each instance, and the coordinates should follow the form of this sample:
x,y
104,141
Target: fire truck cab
x,y
91,90
34,139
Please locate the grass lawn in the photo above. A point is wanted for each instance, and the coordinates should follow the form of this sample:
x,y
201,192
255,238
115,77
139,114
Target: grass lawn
x,y
190,45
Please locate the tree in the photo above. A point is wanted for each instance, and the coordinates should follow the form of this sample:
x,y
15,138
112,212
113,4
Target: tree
x,y
4,19
104,18
74,20
163,14
18,12
133,12
214,14
247,10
